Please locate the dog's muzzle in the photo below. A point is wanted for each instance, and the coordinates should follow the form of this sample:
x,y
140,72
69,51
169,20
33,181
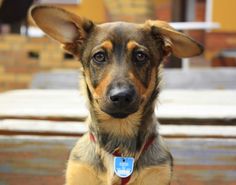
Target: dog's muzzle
x,y
122,100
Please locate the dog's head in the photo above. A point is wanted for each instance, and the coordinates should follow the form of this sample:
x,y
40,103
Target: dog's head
x,y
120,60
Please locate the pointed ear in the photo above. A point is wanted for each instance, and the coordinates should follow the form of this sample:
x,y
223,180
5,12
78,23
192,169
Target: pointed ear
x,y
65,27
176,42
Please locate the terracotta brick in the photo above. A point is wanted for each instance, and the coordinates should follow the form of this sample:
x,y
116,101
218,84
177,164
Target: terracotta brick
x,y
50,63
21,69
200,10
5,46
24,78
58,56
3,86
129,10
16,85
2,70
218,41
163,11
226,62
53,46
72,64
34,47
7,77
39,40
14,38
7,62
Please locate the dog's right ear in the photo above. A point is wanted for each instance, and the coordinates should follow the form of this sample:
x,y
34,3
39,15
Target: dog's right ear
x,y
175,42
65,27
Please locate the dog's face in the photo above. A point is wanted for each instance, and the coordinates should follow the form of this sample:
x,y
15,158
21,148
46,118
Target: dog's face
x,y
120,60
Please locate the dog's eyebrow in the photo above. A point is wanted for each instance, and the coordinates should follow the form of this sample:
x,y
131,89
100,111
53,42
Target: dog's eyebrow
x,y
133,44
107,44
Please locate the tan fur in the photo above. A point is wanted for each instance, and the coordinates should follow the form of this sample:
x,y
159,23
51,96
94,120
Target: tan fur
x,y
131,45
84,174
80,173
151,85
99,91
153,176
107,45
140,87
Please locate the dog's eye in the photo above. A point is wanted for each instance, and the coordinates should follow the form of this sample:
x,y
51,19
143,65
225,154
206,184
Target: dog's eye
x,y
140,57
99,57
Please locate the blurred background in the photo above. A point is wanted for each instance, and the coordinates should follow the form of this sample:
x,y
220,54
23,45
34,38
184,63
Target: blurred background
x,y
42,111
25,52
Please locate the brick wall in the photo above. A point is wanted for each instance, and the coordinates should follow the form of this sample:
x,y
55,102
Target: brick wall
x,y
21,57
163,11
129,10
216,42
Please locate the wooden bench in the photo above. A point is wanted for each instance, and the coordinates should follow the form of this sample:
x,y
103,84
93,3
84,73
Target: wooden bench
x,y
39,128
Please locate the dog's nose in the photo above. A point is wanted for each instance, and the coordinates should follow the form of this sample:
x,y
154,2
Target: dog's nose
x,y
122,96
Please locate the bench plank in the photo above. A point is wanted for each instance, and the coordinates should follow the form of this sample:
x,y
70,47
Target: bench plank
x,y
69,105
67,128
36,160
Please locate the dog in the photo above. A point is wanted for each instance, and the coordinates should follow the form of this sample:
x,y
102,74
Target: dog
x,y
120,63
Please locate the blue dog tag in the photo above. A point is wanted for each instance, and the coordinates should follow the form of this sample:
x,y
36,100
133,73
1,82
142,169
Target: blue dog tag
x,y
123,166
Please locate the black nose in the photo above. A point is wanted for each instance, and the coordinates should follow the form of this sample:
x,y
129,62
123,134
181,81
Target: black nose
x,y
122,96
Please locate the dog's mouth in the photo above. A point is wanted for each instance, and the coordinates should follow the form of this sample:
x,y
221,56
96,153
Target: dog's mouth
x,y
119,115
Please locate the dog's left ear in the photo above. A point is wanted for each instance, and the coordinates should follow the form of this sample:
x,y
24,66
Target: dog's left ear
x,y
175,42
65,27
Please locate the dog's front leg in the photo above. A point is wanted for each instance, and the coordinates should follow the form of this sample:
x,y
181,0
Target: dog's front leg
x,y
81,174
158,175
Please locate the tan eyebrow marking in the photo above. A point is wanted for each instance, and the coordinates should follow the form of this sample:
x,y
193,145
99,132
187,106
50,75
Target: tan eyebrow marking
x,y
107,45
131,45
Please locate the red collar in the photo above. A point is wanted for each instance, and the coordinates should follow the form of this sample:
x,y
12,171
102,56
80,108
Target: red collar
x,y
150,140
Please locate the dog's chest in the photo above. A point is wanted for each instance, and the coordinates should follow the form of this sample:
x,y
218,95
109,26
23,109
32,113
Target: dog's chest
x,y
119,170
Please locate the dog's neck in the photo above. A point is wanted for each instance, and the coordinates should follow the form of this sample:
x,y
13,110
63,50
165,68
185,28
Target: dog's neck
x,y
127,135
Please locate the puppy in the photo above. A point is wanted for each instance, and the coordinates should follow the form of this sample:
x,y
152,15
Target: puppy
x,y
120,63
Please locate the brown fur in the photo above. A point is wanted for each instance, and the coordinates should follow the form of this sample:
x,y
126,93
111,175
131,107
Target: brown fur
x,y
117,57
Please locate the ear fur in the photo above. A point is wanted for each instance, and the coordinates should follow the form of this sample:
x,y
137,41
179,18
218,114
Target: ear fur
x,y
61,25
176,42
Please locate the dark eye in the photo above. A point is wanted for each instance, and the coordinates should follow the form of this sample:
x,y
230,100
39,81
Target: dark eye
x,y
140,57
99,57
